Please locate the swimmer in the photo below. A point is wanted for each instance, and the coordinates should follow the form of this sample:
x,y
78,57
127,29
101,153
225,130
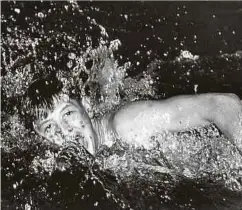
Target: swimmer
x,y
65,119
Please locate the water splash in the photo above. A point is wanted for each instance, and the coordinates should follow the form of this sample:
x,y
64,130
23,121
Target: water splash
x,y
105,85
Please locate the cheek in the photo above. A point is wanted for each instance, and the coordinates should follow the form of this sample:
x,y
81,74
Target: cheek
x,y
53,136
76,121
43,134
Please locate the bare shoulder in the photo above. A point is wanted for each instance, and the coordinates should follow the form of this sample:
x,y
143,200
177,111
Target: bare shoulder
x,y
129,110
131,114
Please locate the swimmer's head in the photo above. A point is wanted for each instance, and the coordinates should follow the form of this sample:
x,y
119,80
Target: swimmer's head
x,y
58,118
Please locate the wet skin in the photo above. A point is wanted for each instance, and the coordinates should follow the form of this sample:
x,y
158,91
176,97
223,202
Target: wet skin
x,y
136,122
67,123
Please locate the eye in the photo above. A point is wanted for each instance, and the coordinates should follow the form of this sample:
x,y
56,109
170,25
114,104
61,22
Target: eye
x,y
68,114
49,129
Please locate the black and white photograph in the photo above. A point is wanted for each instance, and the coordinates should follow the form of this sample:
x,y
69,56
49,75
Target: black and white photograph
x,y
121,105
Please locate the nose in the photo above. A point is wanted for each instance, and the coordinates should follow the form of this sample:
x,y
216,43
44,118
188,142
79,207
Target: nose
x,y
58,131
66,129
69,128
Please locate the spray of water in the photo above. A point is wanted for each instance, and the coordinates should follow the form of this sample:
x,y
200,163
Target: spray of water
x,y
104,86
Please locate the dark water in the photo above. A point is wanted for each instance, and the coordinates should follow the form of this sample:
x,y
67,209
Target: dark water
x,y
208,29
197,27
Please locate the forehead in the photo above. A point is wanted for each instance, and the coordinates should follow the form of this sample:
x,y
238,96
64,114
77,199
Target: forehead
x,y
58,107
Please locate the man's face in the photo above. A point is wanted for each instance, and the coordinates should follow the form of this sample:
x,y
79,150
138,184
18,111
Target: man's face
x,y
67,123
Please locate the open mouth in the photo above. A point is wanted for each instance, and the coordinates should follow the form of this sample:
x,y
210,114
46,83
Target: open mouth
x,y
77,140
67,140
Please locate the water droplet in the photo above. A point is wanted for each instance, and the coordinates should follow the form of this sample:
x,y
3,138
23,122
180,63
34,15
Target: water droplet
x,y
17,10
40,15
27,207
195,88
9,29
69,64
71,55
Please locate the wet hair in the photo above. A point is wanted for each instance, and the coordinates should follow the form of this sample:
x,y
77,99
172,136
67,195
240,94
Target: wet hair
x,y
39,99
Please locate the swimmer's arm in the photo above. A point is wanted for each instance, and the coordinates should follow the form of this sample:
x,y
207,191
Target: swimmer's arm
x,y
137,113
175,114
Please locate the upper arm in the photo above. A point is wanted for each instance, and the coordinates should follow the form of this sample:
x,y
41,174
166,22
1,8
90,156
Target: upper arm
x,y
134,116
149,117
131,110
